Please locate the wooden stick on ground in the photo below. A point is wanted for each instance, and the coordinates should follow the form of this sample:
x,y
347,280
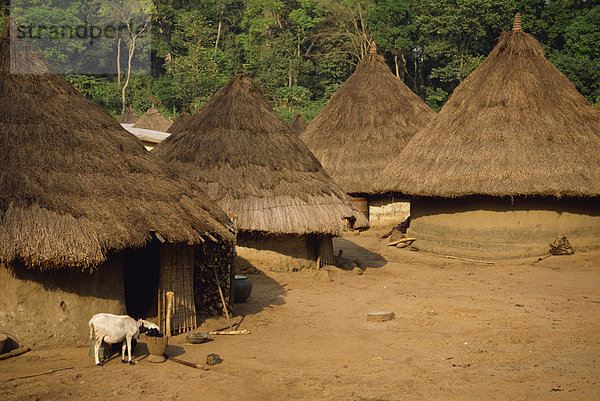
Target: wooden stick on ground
x,y
470,260
186,363
541,258
38,374
231,325
229,332
400,240
237,327
14,352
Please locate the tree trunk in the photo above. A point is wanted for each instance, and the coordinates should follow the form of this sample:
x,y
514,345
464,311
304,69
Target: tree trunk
x,y
299,58
416,76
423,78
119,65
131,50
404,70
217,41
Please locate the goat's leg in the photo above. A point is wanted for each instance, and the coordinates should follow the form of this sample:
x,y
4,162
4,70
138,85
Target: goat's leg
x,y
97,350
129,350
124,344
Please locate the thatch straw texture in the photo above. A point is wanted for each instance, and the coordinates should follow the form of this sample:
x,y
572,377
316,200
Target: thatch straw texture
x,y
515,126
153,120
129,117
298,125
74,185
364,126
244,155
179,122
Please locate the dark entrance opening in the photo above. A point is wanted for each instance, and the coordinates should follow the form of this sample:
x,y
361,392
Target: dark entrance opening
x,y
141,281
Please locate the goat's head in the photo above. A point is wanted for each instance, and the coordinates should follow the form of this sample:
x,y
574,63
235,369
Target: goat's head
x,y
142,328
145,325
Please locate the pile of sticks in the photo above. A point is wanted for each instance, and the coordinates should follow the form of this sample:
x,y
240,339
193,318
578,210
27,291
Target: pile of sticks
x,y
213,279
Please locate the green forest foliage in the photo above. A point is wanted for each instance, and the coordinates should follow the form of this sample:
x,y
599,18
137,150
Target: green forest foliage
x,y
301,51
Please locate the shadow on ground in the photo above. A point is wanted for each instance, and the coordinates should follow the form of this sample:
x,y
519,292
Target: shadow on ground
x,y
266,292
351,250
174,350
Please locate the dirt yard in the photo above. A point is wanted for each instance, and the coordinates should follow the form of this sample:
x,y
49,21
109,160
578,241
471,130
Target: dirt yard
x,y
462,331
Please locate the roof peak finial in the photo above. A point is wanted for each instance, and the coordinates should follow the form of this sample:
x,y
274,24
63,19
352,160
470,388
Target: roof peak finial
x,y
517,22
373,48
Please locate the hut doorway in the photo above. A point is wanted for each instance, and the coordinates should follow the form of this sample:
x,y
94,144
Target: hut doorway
x,y
141,274
176,275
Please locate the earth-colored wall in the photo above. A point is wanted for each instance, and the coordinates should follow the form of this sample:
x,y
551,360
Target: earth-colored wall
x,y
275,252
497,228
388,211
53,307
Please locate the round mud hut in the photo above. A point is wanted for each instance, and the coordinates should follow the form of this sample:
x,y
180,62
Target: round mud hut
x,y
298,125
89,220
511,162
179,122
129,117
361,130
154,121
246,158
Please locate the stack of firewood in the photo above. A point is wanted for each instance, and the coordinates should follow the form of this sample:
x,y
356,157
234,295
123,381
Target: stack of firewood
x,y
211,257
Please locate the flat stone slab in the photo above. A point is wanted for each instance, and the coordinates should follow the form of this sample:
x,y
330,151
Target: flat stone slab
x,y
380,316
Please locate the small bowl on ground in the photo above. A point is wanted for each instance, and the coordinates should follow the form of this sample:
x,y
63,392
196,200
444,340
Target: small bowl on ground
x,y
197,338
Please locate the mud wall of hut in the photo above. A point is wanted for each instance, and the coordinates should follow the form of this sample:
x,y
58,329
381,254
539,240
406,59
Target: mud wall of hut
x,y
281,253
388,210
211,257
497,228
53,307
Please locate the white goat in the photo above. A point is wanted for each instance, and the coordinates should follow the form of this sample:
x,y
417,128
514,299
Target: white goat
x,y
113,329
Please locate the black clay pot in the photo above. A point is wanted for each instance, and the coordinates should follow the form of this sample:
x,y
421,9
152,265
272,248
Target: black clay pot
x,y
242,288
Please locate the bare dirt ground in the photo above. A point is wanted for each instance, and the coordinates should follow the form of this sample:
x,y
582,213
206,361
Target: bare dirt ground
x,y
463,331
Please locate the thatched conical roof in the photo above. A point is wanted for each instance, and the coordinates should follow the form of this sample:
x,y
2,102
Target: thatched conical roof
x,y
153,120
129,117
364,126
179,122
244,155
74,185
515,126
298,125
